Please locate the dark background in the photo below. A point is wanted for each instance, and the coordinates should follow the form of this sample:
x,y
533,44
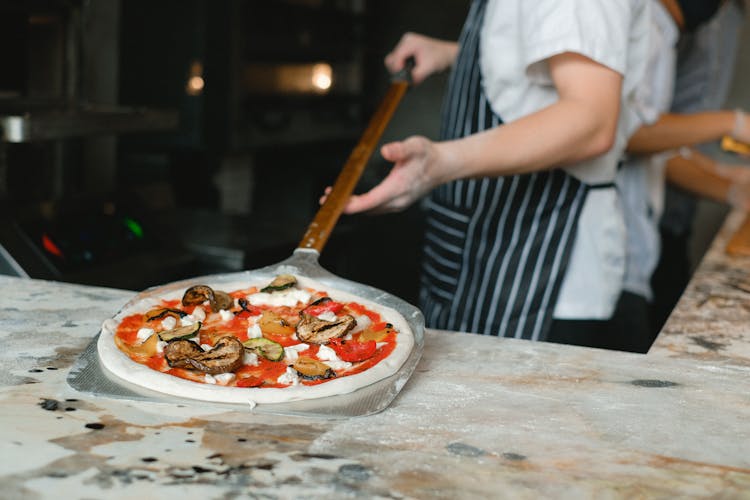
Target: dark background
x,y
235,183
235,178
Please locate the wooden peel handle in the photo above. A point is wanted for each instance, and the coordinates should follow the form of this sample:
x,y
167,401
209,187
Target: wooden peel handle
x,y
322,225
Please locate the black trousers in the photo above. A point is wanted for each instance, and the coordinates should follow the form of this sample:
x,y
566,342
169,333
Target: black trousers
x,y
629,329
670,278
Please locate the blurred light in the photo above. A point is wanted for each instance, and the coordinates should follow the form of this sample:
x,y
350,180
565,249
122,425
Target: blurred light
x,y
134,227
195,85
322,77
50,246
195,82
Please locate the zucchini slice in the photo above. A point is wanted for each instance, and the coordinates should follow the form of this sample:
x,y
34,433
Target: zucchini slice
x,y
272,351
280,282
182,332
163,312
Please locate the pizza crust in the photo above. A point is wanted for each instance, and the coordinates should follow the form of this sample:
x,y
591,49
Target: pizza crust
x,y
120,364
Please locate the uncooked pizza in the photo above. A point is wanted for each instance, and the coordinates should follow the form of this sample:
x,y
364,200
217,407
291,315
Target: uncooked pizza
x,y
281,340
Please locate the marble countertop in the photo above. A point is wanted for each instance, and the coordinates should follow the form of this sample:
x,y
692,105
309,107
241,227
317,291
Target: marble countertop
x,y
481,416
711,322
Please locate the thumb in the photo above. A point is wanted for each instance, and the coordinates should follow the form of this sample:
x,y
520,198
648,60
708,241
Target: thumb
x,y
393,151
402,151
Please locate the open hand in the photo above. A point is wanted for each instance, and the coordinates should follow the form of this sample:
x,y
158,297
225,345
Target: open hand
x,y
411,177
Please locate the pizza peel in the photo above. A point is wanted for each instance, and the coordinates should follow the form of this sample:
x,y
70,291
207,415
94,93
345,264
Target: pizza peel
x,y
89,376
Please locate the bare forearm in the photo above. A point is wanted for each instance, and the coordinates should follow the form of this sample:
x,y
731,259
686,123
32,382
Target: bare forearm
x,y
692,175
536,142
672,131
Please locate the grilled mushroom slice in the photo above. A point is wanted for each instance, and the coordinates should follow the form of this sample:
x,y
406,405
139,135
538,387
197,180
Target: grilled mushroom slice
x,y
198,294
223,300
280,282
227,355
319,331
177,352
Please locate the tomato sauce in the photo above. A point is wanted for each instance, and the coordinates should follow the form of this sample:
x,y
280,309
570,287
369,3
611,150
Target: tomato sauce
x,y
360,310
128,329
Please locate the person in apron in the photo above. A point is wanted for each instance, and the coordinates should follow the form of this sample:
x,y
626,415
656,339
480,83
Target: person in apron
x,y
641,177
516,245
706,62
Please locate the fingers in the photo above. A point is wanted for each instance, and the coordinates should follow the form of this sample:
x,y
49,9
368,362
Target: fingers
x,y
323,198
410,45
376,200
392,151
404,49
373,201
402,151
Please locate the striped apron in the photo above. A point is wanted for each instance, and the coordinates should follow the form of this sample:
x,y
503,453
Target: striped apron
x,y
496,249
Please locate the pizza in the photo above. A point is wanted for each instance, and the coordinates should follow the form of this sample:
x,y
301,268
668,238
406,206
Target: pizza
x,y
275,341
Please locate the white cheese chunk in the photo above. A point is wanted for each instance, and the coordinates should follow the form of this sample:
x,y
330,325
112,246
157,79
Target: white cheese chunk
x,y
289,377
160,346
168,323
198,314
250,359
188,320
338,366
291,353
363,321
224,378
253,332
288,297
209,379
226,315
143,334
325,353
328,356
328,316
206,347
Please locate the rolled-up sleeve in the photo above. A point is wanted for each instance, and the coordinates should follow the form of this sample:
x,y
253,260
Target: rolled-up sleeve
x,y
596,29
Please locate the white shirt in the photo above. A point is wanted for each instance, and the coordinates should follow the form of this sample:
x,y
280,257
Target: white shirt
x,y
518,38
641,178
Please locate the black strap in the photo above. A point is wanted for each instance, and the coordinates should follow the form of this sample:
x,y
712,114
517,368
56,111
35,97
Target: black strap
x,y
603,185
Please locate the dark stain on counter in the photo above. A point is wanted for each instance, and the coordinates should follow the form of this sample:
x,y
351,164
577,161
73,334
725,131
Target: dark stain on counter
x,y
95,426
322,456
49,404
354,472
516,457
465,450
653,383
708,344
